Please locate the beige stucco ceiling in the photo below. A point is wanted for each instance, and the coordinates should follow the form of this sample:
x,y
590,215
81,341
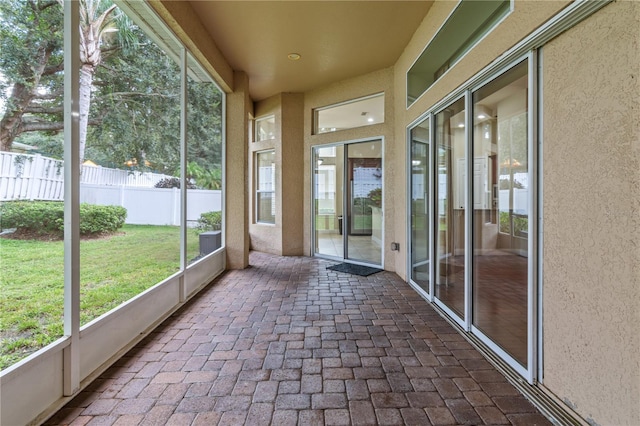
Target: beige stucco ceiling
x,y
336,39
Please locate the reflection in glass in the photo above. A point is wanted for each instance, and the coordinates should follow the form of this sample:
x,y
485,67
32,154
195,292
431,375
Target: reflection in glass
x,y
356,113
364,202
501,211
451,176
420,188
265,128
328,199
266,187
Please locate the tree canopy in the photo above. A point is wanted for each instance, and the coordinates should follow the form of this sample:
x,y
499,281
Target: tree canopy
x,y
134,90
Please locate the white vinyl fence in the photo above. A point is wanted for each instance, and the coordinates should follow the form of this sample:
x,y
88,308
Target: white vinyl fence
x,y
34,177
153,206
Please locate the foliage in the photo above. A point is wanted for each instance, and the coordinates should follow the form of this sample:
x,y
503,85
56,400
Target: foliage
x,y
95,219
209,221
204,178
135,94
39,217
32,63
173,182
113,270
47,218
375,195
31,45
520,224
507,183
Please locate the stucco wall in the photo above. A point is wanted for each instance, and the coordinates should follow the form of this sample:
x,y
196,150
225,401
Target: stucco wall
x,y
375,82
236,216
592,216
292,186
285,236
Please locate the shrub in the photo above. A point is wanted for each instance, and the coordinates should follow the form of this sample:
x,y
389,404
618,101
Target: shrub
x,y
173,182
209,221
40,217
96,219
47,217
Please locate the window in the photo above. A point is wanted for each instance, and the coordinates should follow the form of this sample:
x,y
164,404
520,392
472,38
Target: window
x,y
265,187
265,128
466,26
356,113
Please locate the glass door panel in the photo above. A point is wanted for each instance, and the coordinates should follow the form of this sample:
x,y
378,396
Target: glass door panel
x,y
450,214
501,212
420,205
328,163
363,226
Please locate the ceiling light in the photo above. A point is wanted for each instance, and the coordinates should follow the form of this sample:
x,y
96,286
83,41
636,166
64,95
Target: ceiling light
x,y
461,125
370,119
294,56
481,116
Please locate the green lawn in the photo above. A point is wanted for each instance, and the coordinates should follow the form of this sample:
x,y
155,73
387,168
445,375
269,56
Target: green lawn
x,y
112,270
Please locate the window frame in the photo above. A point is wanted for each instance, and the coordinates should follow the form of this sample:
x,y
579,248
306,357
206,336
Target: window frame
x,y
259,192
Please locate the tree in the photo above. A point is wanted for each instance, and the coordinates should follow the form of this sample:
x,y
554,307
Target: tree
x,y
31,61
131,90
95,25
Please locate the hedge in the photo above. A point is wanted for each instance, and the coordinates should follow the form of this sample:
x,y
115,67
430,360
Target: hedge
x,y
47,217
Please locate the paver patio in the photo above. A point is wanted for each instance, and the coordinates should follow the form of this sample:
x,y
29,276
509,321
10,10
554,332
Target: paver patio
x,y
288,342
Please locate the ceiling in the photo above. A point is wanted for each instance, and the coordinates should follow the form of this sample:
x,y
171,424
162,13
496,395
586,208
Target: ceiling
x,y
335,39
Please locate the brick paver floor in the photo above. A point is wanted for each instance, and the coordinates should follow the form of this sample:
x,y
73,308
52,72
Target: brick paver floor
x,y
288,342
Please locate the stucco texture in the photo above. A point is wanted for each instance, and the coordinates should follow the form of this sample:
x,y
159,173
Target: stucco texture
x,y
285,237
591,182
236,217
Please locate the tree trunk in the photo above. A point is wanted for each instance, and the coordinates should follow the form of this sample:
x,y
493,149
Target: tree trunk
x,y
21,95
84,104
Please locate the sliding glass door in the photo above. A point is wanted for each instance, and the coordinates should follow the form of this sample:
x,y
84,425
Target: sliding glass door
x,y
473,253
501,212
450,213
347,202
420,189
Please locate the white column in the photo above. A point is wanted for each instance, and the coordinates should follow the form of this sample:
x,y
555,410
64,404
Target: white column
x,y
71,196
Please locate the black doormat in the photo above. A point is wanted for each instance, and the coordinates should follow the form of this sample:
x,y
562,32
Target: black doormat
x,y
350,268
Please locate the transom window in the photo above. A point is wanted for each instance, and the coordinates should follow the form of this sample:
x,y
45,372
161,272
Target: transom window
x,y
465,27
265,128
348,115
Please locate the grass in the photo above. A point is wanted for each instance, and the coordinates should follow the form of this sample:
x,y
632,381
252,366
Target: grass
x,y
112,270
